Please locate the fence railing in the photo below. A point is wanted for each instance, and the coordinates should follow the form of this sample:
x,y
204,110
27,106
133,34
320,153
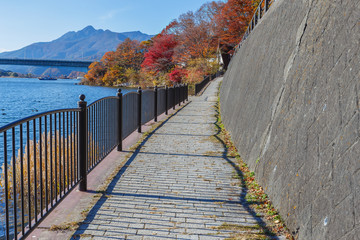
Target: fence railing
x,y
260,11
46,155
201,85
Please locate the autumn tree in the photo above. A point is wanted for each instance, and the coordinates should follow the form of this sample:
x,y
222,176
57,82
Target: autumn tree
x,y
195,32
185,50
129,54
119,66
158,60
95,74
233,19
159,57
177,75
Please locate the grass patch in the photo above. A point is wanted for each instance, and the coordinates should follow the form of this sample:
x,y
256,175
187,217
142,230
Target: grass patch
x,y
245,232
256,196
230,226
65,226
247,236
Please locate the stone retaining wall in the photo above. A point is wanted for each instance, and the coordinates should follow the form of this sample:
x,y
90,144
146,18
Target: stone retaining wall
x,y
290,99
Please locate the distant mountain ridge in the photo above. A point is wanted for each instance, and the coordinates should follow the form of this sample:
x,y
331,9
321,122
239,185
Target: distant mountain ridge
x,y
86,44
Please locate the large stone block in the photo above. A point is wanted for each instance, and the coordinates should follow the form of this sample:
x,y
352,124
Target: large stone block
x,y
353,235
325,173
290,98
305,223
357,198
321,208
342,219
348,136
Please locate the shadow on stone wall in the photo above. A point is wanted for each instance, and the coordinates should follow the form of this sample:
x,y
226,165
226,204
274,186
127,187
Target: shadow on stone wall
x,y
290,98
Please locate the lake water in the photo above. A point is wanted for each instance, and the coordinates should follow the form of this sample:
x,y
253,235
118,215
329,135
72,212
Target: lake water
x,y
22,97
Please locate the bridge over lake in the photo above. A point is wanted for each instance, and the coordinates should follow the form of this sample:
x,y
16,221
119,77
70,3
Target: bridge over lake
x,y
45,62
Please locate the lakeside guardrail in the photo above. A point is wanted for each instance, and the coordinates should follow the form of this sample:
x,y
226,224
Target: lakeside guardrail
x,y
48,154
259,13
201,85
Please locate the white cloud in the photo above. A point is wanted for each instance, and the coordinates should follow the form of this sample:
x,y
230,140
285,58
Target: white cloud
x,y
3,50
111,14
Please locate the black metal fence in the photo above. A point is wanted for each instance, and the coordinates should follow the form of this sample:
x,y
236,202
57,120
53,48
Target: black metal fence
x,y
40,155
46,155
201,85
260,11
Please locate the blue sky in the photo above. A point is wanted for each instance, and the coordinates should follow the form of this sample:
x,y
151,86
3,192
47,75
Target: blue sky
x,y
23,22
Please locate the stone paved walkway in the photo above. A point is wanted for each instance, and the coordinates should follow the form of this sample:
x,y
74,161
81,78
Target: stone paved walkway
x,y
178,185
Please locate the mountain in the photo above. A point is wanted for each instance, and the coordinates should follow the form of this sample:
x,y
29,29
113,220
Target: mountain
x,y
86,44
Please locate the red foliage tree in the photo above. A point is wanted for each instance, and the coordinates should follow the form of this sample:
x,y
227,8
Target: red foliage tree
x,y
159,57
177,75
195,32
233,19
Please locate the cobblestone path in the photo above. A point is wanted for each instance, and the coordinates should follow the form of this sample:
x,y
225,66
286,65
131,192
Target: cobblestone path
x,y
178,185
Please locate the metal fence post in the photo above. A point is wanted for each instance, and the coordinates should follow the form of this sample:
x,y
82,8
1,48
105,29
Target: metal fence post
x,y
179,95
166,100
187,92
266,5
155,102
174,97
120,119
181,92
82,125
139,109
184,93
260,9
256,16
